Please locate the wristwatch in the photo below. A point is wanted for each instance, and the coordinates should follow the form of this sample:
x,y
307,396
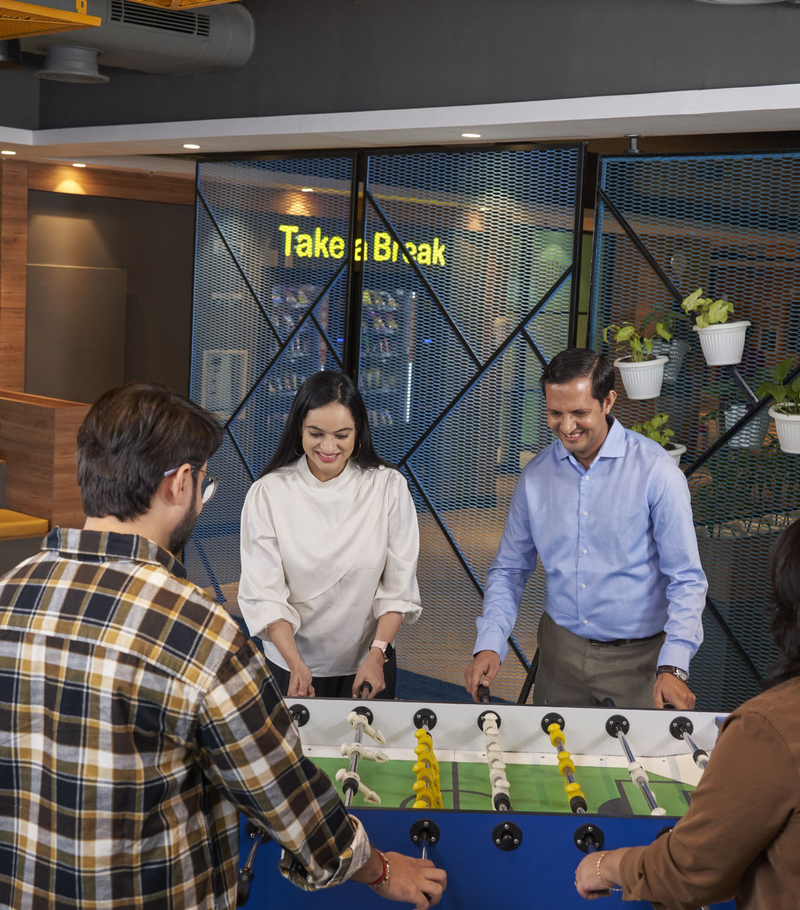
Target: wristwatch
x,y
682,675
385,647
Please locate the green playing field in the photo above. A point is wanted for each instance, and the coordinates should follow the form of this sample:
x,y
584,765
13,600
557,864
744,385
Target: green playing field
x,y
533,787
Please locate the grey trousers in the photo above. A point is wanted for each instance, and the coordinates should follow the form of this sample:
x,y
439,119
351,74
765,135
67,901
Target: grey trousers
x,y
573,671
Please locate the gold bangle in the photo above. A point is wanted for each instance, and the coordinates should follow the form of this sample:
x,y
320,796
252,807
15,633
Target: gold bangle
x,y
605,884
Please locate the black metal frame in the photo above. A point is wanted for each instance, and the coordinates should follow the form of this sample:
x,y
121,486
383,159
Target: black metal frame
x,y
361,197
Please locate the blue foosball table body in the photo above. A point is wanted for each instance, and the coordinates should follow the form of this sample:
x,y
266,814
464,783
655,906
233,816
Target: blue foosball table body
x,y
540,869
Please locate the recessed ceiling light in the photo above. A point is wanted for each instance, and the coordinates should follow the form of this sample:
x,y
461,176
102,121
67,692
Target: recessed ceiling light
x,y
307,189
190,145
470,135
7,152
78,164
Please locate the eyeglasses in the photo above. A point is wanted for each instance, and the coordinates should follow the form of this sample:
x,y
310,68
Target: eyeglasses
x,y
208,485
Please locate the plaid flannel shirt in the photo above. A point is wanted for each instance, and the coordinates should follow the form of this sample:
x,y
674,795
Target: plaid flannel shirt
x,y
136,722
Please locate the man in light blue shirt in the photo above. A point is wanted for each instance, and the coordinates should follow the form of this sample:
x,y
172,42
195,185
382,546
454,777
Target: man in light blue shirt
x,y
608,514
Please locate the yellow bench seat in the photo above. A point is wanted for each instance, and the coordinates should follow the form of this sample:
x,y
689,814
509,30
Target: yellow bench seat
x,y
18,524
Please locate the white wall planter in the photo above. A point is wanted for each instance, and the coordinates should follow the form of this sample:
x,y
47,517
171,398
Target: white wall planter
x,y
675,350
788,427
676,451
642,380
752,435
723,344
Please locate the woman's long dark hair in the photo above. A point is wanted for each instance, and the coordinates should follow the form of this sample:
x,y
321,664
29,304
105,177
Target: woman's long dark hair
x,y
785,624
324,388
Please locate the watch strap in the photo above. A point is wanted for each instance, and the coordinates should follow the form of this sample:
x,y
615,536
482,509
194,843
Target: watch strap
x,y
383,646
682,675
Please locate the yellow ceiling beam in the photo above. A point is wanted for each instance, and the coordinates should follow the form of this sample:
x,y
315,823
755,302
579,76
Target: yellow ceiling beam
x,y
23,20
181,4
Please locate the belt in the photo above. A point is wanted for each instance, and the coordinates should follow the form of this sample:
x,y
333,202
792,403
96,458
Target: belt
x,y
623,641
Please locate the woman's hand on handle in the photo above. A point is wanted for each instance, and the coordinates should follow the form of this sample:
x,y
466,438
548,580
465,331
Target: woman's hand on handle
x,y
371,671
300,681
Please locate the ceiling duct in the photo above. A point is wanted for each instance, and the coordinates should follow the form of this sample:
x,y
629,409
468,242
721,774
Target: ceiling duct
x,y
148,39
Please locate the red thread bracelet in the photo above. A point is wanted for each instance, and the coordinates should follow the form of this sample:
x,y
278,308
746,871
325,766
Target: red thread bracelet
x,y
384,876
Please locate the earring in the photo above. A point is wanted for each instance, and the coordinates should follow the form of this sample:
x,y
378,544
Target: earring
x,y
297,453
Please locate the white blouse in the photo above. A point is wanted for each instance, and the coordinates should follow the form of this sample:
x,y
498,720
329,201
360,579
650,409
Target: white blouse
x,y
330,558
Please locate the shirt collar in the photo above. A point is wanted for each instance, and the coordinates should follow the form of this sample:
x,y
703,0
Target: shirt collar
x,y
97,546
613,445
305,472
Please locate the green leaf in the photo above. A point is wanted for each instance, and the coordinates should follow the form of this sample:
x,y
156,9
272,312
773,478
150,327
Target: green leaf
x,y
691,302
702,321
718,312
625,333
662,330
782,370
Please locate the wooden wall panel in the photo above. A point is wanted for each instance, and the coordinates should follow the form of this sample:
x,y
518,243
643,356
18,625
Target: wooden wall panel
x,y
13,271
89,181
37,441
12,348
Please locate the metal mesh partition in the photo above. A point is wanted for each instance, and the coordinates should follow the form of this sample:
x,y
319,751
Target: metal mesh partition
x,y
271,272
454,334
666,225
459,288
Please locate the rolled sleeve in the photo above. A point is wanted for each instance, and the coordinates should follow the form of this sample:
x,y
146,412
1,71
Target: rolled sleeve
x,y
250,750
398,590
263,592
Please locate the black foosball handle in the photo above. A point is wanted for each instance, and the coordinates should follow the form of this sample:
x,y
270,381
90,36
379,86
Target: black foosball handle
x,y
484,695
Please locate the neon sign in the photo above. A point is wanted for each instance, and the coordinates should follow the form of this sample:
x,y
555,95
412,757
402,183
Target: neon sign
x,y
380,249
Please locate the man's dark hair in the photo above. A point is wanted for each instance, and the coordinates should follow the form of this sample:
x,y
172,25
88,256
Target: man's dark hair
x,y
323,388
576,363
785,620
130,437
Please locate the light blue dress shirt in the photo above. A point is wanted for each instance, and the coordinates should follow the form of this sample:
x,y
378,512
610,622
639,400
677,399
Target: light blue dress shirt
x,y
617,543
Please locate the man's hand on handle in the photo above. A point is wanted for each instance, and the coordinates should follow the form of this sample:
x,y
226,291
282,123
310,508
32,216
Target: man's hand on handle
x,y
411,880
481,672
673,691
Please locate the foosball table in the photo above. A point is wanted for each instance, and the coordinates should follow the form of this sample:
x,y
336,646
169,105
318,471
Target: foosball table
x,y
505,798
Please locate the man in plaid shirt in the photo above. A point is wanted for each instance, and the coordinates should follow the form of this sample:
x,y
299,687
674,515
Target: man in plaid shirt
x,y
136,720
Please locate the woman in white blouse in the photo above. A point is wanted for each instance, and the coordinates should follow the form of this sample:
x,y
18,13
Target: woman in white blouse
x,y
330,544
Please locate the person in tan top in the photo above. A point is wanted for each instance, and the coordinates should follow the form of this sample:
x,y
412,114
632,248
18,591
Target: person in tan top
x,y
741,835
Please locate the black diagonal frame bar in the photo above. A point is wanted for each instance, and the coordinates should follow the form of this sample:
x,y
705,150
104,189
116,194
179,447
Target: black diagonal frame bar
x,y
498,352
425,283
461,558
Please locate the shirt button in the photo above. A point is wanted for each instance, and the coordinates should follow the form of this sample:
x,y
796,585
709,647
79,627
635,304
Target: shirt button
x,y
585,513
586,622
585,551
583,586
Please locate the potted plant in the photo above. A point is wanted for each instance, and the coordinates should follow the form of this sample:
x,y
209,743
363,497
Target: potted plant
x,y
642,371
786,410
722,341
656,429
676,349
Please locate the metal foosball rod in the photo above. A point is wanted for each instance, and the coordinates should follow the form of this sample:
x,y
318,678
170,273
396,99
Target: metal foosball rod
x,y
617,726
553,726
489,723
361,718
682,728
